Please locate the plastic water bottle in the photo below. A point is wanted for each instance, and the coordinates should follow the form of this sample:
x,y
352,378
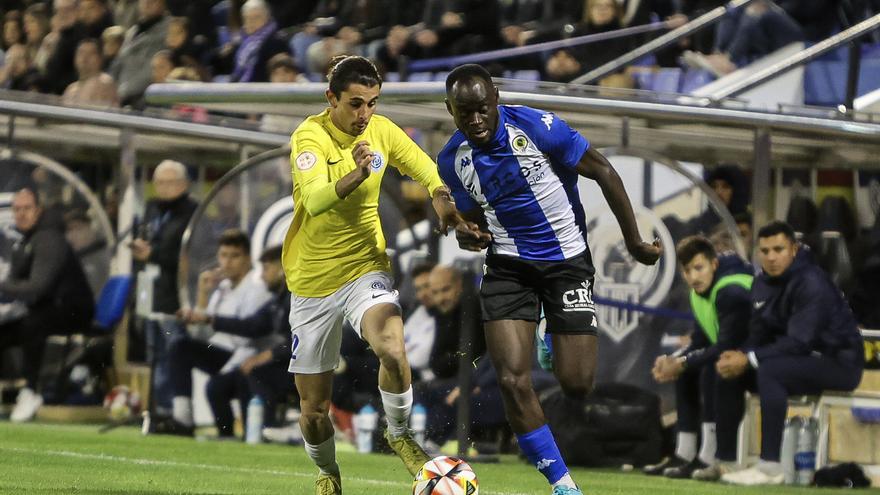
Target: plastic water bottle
x,y
789,447
805,457
365,424
417,421
254,427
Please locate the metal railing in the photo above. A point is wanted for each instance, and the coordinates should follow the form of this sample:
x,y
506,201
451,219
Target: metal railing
x,y
660,43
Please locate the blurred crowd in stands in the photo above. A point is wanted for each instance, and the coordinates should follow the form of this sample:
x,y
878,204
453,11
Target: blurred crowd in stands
x,y
106,52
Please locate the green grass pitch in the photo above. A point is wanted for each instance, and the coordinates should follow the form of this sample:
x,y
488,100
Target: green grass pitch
x,y
55,459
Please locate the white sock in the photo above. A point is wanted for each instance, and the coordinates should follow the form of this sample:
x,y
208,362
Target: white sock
x,y
686,445
181,410
708,445
324,455
565,481
397,408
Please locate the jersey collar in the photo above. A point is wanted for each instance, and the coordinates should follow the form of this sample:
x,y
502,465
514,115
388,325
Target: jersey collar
x,y
344,139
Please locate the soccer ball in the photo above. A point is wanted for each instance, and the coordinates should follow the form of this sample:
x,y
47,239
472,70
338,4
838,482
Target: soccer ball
x,y
445,476
122,403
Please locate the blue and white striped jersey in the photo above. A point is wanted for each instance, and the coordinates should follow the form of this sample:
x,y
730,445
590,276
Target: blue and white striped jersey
x,y
525,182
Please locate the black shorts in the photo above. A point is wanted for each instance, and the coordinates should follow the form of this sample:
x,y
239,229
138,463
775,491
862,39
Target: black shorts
x,y
516,289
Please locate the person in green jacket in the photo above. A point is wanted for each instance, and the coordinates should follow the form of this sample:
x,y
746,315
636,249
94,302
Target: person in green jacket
x,y
719,298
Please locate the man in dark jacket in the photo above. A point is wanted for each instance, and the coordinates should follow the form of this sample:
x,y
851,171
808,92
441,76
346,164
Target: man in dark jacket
x,y
720,302
157,249
46,276
803,340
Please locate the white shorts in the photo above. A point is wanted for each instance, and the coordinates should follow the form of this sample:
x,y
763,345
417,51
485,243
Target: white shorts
x,y
316,322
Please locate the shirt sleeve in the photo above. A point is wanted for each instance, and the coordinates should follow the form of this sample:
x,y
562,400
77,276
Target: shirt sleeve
x,y
555,137
308,161
406,155
462,198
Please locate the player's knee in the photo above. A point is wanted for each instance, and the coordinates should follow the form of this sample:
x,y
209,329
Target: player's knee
x,y
576,386
312,419
514,384
392,355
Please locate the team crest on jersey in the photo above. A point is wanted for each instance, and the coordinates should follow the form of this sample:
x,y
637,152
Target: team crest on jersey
x,y
621,278
378,286
520,143
378,161
305,160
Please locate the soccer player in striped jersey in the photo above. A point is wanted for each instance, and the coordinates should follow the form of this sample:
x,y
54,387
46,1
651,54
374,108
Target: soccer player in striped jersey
x,y
334,257
514,170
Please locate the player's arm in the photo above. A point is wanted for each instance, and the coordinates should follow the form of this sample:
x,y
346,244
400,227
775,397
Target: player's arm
x,y
414,162
593,165
309,164
466,240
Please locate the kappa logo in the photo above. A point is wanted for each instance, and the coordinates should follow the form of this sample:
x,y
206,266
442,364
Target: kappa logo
x,y
547,119
544,464
465,162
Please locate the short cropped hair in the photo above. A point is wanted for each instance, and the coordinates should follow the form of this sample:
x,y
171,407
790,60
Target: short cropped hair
x,y
346,70
467,72
689,247
777,227
421,269
235,238
271,254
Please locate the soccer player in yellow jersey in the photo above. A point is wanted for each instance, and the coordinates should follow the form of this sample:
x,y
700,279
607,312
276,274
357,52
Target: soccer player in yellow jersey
x,y
335,262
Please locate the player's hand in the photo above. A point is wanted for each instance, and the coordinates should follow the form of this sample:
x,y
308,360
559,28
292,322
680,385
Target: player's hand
x,y
363,158
646,254
471,238
732,364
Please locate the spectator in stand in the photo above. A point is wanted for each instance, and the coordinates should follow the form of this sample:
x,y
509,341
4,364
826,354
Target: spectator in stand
x,y
13,30
17,73
357,23
156,251
132,69
731,186
111,42
456,28
238,292
161,66
818,18
184,52
600,16
746,34
125,12
94,17
94,87
47,277
60,71
36,27
420,326
260,40
282,70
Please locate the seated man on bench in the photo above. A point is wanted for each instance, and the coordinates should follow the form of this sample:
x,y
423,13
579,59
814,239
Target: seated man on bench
x,y
803,340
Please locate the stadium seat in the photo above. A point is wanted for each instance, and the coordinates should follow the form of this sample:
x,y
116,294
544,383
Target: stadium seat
x,y
527,75
695,78
825,81
666,80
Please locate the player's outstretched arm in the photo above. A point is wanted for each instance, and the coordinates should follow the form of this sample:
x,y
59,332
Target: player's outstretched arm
x,y
467,232
471,233
596,167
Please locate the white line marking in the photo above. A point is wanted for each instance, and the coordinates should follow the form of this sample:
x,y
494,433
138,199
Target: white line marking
x,y
154,462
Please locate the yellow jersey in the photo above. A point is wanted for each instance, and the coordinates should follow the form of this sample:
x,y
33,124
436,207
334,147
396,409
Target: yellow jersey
x,y
324,251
